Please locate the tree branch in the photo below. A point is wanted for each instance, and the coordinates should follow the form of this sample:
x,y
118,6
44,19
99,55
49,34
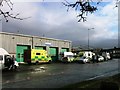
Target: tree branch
x,y
7,14
84,6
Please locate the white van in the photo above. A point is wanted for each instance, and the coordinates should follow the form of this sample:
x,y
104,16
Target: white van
x,y
67,57
84,57
88,54
5,60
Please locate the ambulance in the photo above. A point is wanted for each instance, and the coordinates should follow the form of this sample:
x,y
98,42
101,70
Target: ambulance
x,y
36,56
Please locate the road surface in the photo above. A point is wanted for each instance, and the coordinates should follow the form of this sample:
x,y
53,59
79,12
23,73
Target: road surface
x,y
56,75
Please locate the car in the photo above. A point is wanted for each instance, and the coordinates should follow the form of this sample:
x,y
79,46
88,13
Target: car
x,y
106,56
100,58
82,59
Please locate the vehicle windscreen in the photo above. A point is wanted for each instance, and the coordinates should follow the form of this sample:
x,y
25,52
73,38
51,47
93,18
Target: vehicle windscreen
x,y
7,60
69,55
1,57
7,56
83,57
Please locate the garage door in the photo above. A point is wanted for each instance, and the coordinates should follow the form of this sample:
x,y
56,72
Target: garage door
x,y
54,53
20,52
64,50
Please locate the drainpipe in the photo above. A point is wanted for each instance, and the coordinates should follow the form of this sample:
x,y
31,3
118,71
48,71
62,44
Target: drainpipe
x,y
32,42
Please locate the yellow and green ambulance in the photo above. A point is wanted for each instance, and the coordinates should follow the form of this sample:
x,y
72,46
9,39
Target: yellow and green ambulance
x,y
36,56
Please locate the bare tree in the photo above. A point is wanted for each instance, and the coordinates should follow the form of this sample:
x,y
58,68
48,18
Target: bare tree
x,y
8,14
84,7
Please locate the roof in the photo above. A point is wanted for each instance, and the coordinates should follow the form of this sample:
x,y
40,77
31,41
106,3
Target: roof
x,y
68,53
3,51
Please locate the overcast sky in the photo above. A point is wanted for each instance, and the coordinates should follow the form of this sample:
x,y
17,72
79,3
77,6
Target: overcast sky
x,y
51,19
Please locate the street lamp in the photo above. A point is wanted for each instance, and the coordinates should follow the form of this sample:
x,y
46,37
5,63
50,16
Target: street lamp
x,y
88,36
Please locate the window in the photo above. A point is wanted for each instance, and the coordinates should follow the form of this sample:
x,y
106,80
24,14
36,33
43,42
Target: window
x,y
1,57
18,55
22,55
7,57
88,54
37,53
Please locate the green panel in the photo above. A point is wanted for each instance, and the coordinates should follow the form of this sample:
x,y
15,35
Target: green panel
x,y
64,50
20,53
54,54
53,51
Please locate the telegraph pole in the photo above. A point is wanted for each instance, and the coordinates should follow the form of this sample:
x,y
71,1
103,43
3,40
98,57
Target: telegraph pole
x,y
88,36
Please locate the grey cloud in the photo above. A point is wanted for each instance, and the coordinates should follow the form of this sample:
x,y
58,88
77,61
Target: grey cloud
x,y
23,28
70,30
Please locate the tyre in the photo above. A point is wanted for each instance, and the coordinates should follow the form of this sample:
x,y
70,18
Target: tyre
x,y
65,60
50,62
15,67
36,63
104,58
84,62
29,63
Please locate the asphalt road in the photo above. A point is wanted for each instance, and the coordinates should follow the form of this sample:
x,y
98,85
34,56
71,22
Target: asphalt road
x,y
56,75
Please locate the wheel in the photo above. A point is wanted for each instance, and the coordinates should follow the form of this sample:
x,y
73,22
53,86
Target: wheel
x,y
65,60
29,63
50,62
84,62
15,67
104,58
36,63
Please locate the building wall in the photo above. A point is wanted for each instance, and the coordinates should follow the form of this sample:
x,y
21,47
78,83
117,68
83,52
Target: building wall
x,y
0,40
9,41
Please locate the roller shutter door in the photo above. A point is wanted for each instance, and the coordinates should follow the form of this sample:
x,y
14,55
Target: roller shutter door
x,y
54,53
64,50
20,52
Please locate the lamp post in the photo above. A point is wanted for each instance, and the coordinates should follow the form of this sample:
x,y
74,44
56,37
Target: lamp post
x,y
88,36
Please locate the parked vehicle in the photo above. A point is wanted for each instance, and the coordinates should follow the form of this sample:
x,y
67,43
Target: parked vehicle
x,y
100,58
67,57
106,56
88,54
6,61
84,56
82,59
36,56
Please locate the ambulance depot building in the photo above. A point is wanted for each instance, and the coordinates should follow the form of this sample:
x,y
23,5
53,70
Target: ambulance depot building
x,y
15,44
